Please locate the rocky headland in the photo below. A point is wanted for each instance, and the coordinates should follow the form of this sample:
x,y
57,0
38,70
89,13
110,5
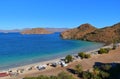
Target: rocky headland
x,y
87,32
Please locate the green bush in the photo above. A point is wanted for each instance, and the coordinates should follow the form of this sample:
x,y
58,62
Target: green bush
x,y
84,55
78,69
86,75
103,50
64,75
68,58
81,54
87,55
104,75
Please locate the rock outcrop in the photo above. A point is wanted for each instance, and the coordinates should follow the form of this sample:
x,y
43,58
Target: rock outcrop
x,y
36,31
87,32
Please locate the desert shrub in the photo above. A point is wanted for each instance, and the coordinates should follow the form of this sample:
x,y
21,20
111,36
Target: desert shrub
x,y
103,50
86,75
81,54
84,55
68,58
64,75
78,69
96,71
104,75
87,55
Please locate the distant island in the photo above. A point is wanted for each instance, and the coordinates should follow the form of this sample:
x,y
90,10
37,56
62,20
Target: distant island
x,y
88,32
36,31
30,29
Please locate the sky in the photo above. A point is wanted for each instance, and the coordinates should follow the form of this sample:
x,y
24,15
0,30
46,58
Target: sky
x,y
19,14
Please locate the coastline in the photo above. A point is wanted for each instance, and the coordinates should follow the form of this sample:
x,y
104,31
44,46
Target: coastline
x,y
87,64
31,65
48,61
52,58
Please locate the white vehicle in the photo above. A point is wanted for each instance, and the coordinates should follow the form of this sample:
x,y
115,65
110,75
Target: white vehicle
x,y
63,63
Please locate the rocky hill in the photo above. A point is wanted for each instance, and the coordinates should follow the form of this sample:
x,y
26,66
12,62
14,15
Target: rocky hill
x,y
36,31
107,35
78,33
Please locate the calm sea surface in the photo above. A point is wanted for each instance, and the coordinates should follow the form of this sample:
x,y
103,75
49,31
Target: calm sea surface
x,y
17,49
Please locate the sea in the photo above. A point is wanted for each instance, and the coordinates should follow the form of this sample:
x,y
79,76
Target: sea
x,y
21,49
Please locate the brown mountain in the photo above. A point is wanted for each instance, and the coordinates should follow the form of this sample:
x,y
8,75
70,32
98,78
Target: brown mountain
x,y
107,35
78,33
56,29
87,32
36,31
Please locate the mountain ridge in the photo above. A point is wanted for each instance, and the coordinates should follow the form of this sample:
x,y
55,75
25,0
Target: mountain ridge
x,y
107,34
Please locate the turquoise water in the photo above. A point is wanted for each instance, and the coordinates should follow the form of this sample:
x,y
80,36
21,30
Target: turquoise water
x,y
17,49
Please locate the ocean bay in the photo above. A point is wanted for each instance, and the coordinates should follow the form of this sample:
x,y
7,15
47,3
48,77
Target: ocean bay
x,y
17,49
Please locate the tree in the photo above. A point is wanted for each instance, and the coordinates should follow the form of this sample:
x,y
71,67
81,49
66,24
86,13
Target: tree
x,y
78,69
68,58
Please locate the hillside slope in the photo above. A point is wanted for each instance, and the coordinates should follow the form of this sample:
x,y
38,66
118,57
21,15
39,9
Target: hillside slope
x,y
78,33
107,35
87,32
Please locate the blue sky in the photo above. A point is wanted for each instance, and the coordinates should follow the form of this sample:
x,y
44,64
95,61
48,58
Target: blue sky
x,y
18,14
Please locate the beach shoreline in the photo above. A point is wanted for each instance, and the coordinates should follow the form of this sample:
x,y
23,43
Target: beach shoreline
x,y
48,61
111,57
53,59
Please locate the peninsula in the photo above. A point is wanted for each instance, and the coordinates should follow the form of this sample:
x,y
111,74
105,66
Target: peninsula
x,y
87,32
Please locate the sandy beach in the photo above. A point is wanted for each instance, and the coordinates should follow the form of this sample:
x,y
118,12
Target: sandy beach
x,y
113,56
49,61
